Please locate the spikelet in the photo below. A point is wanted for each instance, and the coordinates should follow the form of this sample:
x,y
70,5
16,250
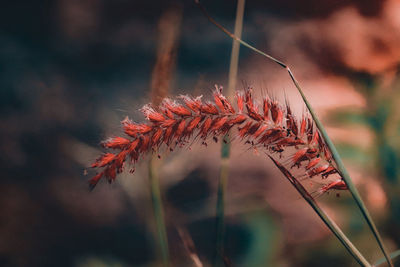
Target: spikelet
x,y
272,128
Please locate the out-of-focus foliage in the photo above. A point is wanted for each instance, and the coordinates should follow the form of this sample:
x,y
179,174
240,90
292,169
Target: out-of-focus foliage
x,y
380,116
381,159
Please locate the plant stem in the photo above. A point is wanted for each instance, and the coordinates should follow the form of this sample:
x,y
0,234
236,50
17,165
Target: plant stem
x,y
383,260
222,183
225,147
169,28
158,212
233,67
345,175
324,217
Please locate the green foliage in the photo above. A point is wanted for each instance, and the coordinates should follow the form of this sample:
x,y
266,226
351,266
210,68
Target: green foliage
x,y
347,117
382,119
379,116
355,154
265,235
389,163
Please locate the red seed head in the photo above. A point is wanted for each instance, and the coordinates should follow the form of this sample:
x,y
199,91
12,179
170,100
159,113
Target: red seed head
x,y
116,143
338,185
218,123
313,163
239,119
93,182
156,138
209,108
266,108
300,155
173,123
303,126
120,159
193,103
192,125
180,129
151,114
205,127
276,113
222,102
135,129
240,101
175,108
103,160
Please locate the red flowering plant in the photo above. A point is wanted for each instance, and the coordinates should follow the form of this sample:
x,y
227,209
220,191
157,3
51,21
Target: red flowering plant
x,y
300,148
271,128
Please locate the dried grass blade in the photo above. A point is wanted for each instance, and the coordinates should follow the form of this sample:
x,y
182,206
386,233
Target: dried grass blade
x,y
189,246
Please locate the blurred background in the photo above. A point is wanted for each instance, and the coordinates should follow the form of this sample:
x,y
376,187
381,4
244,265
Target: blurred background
x,y
71,70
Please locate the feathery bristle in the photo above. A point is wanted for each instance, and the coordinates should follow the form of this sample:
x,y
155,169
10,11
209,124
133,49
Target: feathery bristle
x,y
173,124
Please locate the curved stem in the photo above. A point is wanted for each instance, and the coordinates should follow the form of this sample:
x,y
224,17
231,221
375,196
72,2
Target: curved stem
x,y
324,217
344,174
346,177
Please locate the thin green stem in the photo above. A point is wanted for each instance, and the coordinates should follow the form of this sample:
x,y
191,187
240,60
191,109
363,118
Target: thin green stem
x,y
169,28
338,233
344,174
223,180
340,165
383,260
233,67
324,217
225,147
158,212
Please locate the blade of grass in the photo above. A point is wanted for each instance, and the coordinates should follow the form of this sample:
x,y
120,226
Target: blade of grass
x,y
346,177
158,212
169,25
189,246
383,260
324,217
222,183
344,174
233,67
225,147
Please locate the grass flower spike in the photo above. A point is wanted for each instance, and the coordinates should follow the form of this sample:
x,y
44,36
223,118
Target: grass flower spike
x,y
269,127
295,146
